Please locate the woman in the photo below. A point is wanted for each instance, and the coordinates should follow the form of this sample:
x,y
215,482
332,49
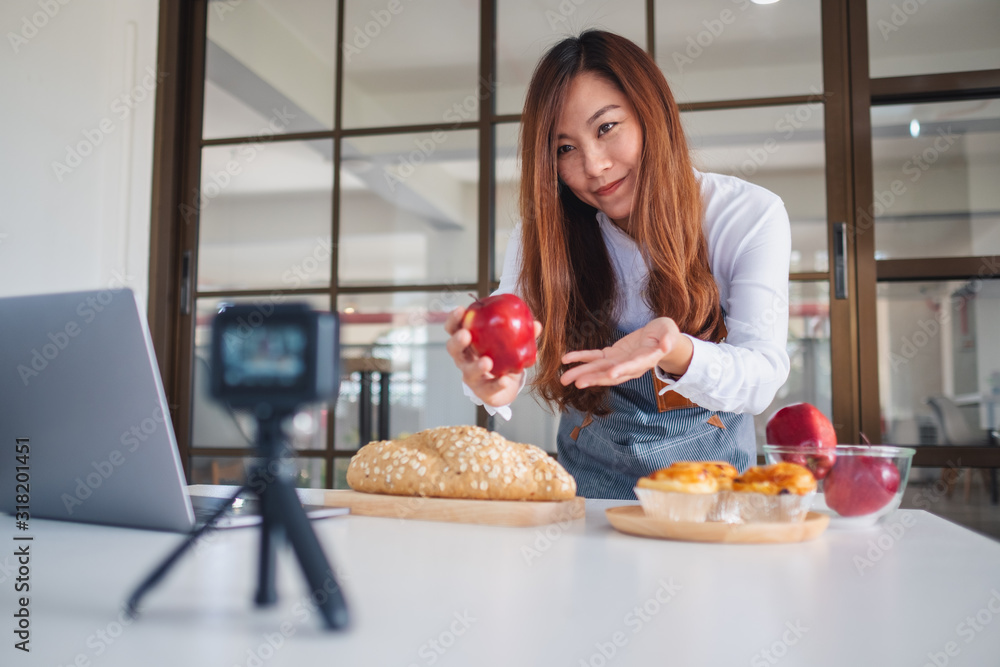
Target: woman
x,y
662,292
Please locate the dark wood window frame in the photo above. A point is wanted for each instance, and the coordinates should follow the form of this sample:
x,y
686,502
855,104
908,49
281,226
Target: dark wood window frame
x,y
174,235
868,93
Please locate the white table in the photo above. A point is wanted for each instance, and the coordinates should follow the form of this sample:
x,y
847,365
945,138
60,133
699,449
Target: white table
x,y
425,593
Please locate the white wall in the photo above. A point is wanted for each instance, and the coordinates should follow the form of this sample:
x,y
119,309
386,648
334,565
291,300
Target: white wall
x,y
67,71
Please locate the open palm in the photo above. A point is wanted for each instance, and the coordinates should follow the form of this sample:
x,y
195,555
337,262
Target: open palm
x,y
629,358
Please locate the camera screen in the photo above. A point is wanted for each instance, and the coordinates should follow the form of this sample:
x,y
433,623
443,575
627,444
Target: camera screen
x,y
271,356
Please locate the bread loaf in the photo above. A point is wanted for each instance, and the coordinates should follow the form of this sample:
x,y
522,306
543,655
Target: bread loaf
x,y
459,462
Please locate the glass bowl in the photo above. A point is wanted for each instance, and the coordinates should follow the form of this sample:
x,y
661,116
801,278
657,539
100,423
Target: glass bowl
x,y
858,485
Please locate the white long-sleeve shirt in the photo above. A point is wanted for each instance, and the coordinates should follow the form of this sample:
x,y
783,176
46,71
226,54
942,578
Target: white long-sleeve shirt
x,y
749,242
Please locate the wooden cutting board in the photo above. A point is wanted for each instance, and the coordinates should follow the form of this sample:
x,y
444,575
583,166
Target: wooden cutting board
x,y
488,512
632,520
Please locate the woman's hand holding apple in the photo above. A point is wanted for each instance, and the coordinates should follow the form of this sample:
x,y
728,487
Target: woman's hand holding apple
x,y
477,370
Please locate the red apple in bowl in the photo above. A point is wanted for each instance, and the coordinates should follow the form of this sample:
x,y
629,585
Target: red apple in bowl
x,y
859,485
803,425
502,329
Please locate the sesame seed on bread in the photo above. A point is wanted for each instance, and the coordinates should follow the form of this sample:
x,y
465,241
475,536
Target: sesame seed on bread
x,y
459,462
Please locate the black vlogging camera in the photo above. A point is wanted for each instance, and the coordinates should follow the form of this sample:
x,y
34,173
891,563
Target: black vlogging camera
x,y
273,358
280,356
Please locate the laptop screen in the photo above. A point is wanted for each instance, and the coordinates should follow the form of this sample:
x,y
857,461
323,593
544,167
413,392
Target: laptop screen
x,y
80,393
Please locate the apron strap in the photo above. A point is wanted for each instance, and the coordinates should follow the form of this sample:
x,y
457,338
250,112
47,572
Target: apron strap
x,y
587,421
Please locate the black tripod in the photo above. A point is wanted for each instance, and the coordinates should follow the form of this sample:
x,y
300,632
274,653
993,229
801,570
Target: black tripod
x,y
281,515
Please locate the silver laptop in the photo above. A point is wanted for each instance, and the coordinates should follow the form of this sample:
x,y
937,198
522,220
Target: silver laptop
x,y
85,432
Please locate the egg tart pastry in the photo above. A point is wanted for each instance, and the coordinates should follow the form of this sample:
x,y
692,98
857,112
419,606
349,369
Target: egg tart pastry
x,y
682,477
781,492
683,491
776,479
723,472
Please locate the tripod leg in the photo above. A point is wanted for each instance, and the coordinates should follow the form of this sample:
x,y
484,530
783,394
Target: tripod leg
x,y
132,606
269,534
323,586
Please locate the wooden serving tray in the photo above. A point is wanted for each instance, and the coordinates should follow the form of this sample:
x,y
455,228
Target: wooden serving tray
x,y
456,510
632,520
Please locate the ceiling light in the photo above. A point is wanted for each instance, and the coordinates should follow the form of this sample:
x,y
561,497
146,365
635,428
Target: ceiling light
x,y
914,128
763,2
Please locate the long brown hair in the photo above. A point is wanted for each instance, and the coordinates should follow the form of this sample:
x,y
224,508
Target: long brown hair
x,y
566,274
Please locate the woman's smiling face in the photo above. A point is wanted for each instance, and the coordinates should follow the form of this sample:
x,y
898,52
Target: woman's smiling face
x,y
598,145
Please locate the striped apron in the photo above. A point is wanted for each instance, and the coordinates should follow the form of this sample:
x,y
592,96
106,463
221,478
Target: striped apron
x,y
645,432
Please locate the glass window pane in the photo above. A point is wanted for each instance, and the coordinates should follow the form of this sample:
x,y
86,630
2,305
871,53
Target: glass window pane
x,y
312,473
507,175
418,64
265,212
340,473
527,29
810,375
908,37
269,65
781,149
402,334
939,365
939,384
409,208
216,425
936,170
735,49
232,470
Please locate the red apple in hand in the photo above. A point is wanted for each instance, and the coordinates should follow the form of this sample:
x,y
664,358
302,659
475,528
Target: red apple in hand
x,y
860,485
502,329
803,425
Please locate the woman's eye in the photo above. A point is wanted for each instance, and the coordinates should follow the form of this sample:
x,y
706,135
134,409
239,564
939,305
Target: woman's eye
x,y
605,128
562,150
